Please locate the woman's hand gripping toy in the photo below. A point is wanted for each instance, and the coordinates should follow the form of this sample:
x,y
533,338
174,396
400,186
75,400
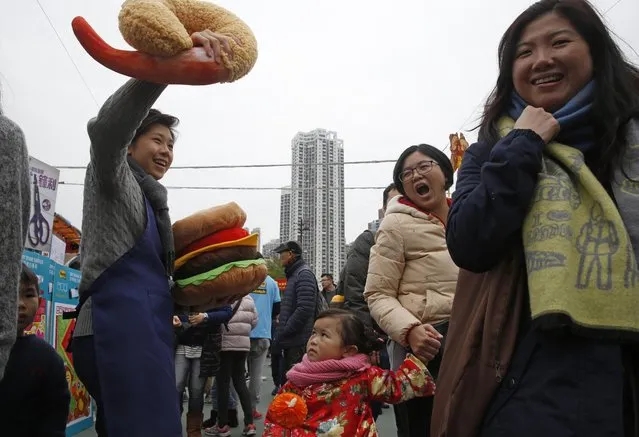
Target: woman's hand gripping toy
x,y
187,42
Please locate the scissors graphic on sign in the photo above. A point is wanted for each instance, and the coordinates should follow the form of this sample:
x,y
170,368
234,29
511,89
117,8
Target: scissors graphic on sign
x,y
39,228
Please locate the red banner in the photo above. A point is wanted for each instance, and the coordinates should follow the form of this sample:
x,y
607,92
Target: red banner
x,y
281,283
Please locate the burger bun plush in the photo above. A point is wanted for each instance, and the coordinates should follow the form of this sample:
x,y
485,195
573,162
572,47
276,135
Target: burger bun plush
x,y
216,258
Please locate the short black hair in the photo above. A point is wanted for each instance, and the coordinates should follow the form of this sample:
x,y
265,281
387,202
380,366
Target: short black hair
x,y
28,278
437,155
353,331
156,117
387,191
328,275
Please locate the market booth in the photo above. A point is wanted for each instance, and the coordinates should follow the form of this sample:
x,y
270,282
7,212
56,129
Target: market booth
x,y
70,236
52,241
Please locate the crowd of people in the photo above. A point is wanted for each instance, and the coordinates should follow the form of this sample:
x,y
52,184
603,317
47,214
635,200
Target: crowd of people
x,y
510,309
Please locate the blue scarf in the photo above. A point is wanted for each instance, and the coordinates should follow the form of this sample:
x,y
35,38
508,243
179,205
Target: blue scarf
x,y
573,117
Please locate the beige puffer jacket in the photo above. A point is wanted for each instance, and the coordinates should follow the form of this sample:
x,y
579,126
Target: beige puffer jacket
x,y
237,338
411,276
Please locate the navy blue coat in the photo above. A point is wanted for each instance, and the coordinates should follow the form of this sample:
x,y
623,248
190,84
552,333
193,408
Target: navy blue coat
x,y
297,311
558,384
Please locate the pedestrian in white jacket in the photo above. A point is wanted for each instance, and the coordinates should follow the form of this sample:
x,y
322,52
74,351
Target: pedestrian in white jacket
x,y
236,344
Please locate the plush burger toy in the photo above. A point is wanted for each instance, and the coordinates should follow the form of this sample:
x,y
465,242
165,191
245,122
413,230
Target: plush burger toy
x,y
216,262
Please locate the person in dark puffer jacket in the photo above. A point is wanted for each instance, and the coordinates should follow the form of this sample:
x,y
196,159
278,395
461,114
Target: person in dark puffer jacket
x,y
192,332
297,313
353,277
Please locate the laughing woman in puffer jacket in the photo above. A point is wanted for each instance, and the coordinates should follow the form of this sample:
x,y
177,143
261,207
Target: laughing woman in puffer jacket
x,y
411,276
236,344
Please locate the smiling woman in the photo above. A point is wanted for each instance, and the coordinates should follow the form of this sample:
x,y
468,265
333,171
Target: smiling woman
x,y
123,341
152,145
551,85
127,259
543,339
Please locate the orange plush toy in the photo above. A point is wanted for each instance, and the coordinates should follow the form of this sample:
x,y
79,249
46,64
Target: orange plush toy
x,y
160,30
287,410
216,262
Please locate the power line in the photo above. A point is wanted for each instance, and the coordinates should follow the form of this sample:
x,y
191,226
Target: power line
x,y
612,7
78,184
202,167
68,54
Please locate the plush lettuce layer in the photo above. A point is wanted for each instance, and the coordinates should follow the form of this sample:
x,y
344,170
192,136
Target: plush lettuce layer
x,y
212,274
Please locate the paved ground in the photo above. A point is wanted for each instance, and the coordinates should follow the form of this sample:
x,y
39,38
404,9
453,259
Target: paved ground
x,y
385,423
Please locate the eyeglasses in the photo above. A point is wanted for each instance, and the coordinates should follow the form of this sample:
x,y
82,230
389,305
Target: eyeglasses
x,y
422,169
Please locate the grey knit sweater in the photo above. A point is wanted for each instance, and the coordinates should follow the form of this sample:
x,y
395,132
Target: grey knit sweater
x,y
15,201
114,213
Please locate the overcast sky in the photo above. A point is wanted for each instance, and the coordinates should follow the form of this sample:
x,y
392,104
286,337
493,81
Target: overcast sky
x,y
383,75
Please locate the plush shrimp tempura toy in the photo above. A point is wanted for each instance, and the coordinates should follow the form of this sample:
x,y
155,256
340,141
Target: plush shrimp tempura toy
x,y
161,32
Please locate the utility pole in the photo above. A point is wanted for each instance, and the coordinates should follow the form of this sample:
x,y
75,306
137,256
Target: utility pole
x,y
301,227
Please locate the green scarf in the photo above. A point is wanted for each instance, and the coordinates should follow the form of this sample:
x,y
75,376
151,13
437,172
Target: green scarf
x,y
579,256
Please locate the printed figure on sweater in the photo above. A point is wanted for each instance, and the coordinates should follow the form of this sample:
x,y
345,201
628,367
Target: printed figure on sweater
x,y
337,382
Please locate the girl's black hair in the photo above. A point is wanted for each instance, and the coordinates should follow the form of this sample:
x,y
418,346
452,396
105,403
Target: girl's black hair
x,y
354,332
616,97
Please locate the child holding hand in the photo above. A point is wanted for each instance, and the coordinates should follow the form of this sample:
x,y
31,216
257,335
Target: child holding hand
x,y
337,381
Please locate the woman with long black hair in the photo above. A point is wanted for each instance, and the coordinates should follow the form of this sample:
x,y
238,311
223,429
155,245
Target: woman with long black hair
x,y
544,224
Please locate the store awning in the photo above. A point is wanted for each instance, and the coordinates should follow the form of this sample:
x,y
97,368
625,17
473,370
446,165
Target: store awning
x,y
69,233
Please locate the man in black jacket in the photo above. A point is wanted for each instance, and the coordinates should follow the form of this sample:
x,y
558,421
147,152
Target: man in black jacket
x,y
353,277
297,311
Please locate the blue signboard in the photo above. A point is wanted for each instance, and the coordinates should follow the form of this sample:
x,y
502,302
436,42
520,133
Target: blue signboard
x,y
44,269
66,282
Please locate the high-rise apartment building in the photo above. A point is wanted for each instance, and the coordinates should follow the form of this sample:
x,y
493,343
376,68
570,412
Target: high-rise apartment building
x,y
315,212
268,248
285,215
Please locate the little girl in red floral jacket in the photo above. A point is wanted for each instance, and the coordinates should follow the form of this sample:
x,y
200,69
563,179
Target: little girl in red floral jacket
x,y
337,381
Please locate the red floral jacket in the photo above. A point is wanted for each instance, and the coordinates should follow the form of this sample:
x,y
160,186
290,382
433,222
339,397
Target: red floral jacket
x,y
342,409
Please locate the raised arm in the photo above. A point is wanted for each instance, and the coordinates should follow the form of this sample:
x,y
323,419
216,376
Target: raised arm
x,y
112,130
